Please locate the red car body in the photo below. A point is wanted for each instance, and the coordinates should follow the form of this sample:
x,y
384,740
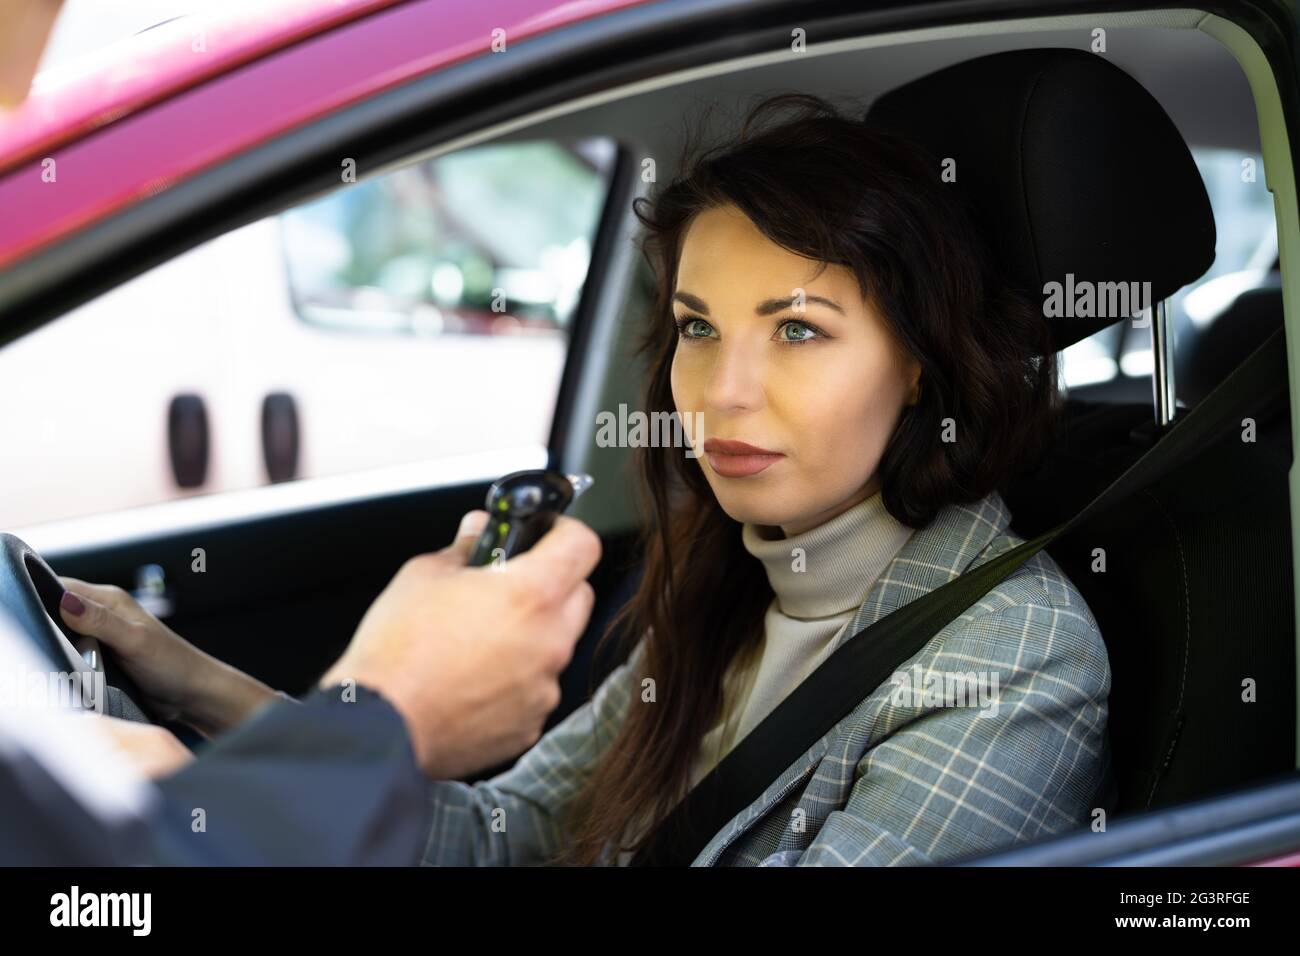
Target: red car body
x,y
241,79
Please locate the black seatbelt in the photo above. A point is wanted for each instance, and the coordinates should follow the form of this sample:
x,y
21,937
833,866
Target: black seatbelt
x,y
869,657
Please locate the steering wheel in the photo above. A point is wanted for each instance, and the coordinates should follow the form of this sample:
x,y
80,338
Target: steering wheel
x,y
31,591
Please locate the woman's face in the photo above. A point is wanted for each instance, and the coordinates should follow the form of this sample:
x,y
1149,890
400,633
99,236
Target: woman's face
x,y
821,389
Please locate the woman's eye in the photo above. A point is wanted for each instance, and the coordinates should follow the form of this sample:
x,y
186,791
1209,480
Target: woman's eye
x,y
789,332
795,331
689,328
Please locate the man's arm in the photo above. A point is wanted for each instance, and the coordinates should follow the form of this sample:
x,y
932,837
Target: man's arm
x,y
467,660
330,781
319,783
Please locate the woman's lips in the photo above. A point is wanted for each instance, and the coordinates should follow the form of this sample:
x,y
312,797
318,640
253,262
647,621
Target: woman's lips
x,y
738,459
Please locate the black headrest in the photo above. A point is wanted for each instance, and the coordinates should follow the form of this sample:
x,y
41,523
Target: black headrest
x,y
1069,166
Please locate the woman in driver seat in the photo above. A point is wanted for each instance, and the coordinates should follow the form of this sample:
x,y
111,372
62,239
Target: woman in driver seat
x,y
856,381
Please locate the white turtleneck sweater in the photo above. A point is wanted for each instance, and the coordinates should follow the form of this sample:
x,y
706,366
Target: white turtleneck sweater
x,y
820,577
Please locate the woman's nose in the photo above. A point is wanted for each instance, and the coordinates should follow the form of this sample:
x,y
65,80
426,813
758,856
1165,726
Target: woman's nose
x,y
735,379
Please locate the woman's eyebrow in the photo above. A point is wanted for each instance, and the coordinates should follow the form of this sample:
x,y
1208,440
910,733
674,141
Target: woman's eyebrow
x,y
779,305
691,302
763,308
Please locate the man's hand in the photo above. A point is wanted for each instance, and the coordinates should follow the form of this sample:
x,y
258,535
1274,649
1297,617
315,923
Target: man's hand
x,y
471,657
154,751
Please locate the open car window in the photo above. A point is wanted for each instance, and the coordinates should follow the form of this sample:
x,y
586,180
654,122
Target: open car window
x,y
410,317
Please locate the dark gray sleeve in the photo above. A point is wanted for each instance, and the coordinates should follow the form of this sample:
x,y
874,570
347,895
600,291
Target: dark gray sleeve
x,y
43,824
325,781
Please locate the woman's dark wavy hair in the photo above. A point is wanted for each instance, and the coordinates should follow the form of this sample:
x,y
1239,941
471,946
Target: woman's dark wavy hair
x,y
837,190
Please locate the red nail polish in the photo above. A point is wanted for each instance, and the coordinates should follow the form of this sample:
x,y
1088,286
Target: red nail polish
x,y
72,604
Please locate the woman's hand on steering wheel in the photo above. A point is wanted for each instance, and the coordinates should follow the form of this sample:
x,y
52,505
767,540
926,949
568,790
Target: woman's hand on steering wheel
x,y
178,681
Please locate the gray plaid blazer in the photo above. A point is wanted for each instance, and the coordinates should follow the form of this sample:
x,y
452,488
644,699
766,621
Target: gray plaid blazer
x,y
904,779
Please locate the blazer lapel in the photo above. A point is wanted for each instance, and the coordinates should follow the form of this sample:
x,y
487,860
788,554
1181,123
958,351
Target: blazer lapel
x,y
931,557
